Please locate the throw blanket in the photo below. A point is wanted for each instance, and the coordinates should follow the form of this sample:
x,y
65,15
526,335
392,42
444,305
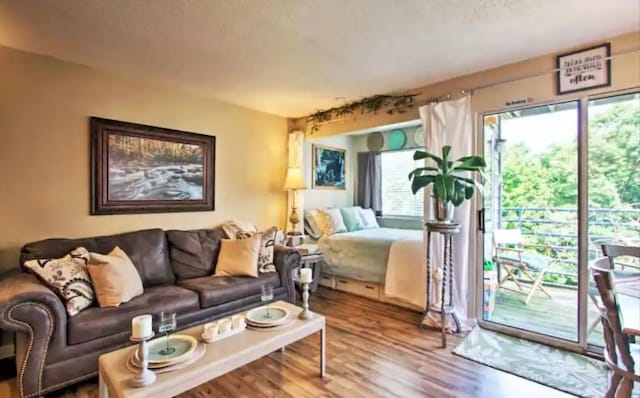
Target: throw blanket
x,y
407,272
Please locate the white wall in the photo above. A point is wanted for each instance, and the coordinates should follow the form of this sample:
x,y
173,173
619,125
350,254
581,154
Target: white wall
x,y
314,198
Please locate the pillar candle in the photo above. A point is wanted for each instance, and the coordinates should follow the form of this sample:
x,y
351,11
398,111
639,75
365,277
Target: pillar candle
x,y
305,275
141,327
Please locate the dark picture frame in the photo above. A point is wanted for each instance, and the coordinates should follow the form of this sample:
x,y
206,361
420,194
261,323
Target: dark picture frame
x,y
136,168
585,69
329,167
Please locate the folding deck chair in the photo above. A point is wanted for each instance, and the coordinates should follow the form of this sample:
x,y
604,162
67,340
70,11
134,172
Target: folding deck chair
x,y
510,255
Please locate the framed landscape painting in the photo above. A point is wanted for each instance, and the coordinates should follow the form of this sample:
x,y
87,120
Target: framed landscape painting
x,y
144,169
328,167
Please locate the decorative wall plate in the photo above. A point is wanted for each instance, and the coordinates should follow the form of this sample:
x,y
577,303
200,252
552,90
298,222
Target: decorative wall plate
x,y
396,139
375,141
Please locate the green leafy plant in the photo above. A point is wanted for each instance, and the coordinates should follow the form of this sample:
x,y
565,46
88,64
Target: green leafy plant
x,y
450,184
487,265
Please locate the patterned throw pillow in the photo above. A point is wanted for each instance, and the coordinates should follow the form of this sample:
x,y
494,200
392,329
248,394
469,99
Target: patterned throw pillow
x,y
352,219
68,277
331,222
369,219
267,245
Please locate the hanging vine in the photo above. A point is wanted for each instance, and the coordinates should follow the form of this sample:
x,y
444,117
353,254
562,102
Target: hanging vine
x,y
391,103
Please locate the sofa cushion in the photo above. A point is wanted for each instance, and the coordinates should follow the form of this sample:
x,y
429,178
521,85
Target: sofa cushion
x,y
147,249
95,322
194,253
215,290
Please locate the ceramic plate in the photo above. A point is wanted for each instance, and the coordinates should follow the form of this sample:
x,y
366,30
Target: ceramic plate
x,y
183,346
258,316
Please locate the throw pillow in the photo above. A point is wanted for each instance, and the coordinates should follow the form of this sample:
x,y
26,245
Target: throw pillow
x,y
331,221
267,245
236,229
68,277
238,257
115,278
369,219
194,254
312,224
352,219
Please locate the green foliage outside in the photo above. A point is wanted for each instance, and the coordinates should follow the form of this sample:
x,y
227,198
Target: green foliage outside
x,y
549,180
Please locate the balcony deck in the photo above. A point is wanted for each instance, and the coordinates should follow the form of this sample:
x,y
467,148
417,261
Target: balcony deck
x,y
555,317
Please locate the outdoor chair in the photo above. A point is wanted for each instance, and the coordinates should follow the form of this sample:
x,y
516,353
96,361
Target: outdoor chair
x,y
622,357
511,256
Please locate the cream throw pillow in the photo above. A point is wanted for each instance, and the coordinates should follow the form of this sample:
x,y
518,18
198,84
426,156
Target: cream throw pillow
x,y
239,257
115,278
331,221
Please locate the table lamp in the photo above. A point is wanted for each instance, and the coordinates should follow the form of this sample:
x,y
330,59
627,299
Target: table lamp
x,y
294,182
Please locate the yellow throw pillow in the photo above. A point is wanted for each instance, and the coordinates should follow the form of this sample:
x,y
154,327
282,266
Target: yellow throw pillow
x,y
238,257
115,278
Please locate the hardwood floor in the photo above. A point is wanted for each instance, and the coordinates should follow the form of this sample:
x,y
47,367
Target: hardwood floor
x,y
374,350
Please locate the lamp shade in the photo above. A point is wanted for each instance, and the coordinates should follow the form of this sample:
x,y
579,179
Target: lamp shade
x,y
294,180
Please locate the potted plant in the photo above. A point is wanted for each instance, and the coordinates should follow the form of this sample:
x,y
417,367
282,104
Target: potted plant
x,y
450,185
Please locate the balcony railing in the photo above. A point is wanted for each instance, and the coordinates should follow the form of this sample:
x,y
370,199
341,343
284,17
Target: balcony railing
x,y
557,228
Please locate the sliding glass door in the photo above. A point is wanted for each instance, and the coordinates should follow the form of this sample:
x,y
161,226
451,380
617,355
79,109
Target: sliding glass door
x,y
562,180
531,243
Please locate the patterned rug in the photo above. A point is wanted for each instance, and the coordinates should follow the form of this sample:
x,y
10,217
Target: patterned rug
x,y
565,371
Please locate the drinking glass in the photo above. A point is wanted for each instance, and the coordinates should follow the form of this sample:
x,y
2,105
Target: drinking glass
x,y
267,295
167,325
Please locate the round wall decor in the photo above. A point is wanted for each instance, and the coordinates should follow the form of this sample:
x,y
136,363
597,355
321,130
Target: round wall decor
x,y
375,141
396,139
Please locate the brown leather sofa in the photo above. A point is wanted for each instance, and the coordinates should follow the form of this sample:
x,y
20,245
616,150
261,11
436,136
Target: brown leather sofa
x,y
54,350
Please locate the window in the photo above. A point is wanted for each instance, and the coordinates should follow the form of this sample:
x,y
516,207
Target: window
x,y
397,198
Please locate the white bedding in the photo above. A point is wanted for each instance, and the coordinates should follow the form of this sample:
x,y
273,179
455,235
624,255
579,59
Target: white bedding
x,y
362,255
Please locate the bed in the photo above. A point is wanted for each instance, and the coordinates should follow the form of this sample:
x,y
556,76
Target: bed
x,y
362,255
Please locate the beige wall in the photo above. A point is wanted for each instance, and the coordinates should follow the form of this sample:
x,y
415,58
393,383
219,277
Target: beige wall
x,y
625,74
314,198
44,151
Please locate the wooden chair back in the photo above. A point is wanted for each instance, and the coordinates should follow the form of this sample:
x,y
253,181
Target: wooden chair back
x,y
507,237
616,343
613,251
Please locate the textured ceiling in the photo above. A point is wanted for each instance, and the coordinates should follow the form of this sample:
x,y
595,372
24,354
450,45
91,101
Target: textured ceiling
x,y
291,57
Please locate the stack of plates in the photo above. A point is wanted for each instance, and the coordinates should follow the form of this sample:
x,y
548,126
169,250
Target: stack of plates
x,y
186,350
259,318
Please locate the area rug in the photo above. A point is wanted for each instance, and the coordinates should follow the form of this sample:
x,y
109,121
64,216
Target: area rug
x,y
565,371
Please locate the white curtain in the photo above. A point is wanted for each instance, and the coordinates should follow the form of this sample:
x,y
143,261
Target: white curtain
x,y
450,123
296,159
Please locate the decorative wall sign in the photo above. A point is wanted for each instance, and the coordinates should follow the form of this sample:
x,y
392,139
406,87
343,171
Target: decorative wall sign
x,y
584,69
144,169
328,167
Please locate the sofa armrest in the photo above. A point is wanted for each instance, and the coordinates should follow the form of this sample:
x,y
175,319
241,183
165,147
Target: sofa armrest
x,y
286,259
38,317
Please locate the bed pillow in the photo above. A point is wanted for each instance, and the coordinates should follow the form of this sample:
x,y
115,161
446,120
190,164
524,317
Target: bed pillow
x,y
312,224
352,219
369,219
331,221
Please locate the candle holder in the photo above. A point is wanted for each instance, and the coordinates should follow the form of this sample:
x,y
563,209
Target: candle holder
x,y
305,314
145,376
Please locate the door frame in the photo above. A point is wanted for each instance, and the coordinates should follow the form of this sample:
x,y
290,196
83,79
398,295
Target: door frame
x,y
581,344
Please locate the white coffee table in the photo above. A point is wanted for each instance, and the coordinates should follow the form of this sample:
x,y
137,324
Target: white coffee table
x,y
220,357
